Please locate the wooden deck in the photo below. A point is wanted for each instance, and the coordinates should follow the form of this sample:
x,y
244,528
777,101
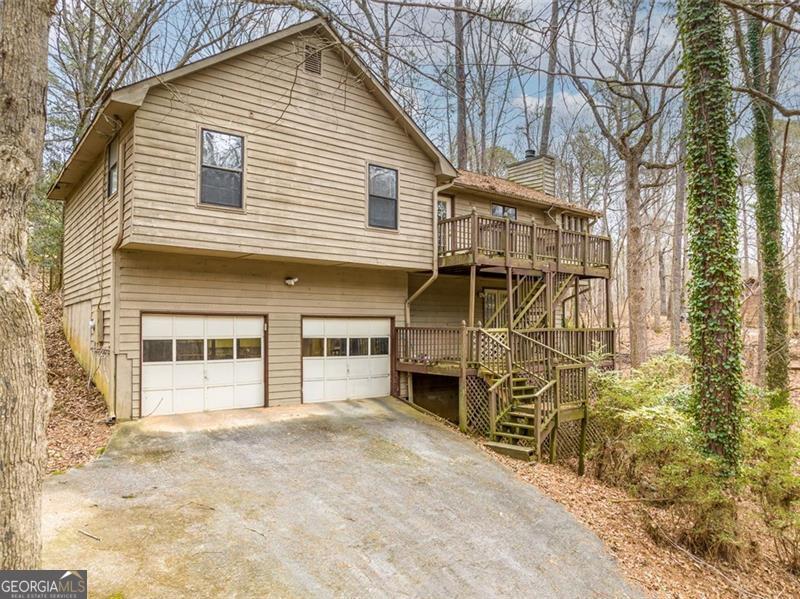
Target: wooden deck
x,y
490,241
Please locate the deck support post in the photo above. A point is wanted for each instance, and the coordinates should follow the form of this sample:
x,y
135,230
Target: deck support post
x,y
472,275
610,324
462,380
554,432
584,423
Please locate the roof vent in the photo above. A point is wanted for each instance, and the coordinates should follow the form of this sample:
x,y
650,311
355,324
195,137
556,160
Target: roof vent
x,y
530,154
313,60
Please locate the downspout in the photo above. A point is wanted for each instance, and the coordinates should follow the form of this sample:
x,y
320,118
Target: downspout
x,y
435,266
121,195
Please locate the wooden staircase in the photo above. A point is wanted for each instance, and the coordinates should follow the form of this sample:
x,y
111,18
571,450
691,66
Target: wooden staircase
x,y
543,390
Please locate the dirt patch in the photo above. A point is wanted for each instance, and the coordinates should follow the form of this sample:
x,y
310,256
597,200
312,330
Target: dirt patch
x,y
76,432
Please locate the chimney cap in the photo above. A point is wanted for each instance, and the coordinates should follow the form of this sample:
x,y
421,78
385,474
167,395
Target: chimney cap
x,y
530,154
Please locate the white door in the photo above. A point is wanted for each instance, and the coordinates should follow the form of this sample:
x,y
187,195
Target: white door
x,y
200,363
346,358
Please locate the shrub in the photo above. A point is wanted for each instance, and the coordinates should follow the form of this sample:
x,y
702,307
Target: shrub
x,y
651,446
772,459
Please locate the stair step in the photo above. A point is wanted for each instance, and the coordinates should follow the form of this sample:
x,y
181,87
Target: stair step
x,y
518,425
513,451
524,395
518,414
515,436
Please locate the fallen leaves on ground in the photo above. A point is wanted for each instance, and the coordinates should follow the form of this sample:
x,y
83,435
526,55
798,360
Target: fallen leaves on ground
x,y
77,431
661,570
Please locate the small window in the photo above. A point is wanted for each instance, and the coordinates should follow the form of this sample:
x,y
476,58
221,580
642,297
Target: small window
x,y
112,171
380,346
501,211
337,347
382,197
188,350
221,168
220,349
248,348
313,60
443,207
359,346
157,350
313,348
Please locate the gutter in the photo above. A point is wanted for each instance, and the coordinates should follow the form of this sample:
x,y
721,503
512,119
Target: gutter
x,y
435,267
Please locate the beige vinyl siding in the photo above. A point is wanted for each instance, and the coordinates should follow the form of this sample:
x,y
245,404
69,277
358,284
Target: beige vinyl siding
x,y
464,202
446,302
308,140
91,225
156,282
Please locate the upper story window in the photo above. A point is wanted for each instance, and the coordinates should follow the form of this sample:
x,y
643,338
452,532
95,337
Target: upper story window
x,y
382,197
504,211
112,170
222,168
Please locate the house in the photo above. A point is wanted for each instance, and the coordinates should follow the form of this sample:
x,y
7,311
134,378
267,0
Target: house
x,y
267,227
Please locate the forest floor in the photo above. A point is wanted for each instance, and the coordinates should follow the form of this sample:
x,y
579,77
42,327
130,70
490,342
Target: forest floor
x,y
77,430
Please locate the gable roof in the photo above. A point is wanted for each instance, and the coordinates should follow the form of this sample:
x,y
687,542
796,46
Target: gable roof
x,y
503,188
120,104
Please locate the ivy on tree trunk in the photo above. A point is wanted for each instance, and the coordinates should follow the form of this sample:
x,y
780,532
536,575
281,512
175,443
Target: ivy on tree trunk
x,y
714,291
770,228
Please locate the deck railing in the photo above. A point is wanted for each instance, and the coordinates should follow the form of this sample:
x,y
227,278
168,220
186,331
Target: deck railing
x,y
474,237
444,346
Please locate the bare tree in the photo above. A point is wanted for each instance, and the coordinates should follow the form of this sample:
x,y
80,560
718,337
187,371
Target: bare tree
x,y
25,398
626,44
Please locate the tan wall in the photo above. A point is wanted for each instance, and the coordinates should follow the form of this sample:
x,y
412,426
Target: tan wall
x,y
465,202
308,140
152,282
446,302
91,225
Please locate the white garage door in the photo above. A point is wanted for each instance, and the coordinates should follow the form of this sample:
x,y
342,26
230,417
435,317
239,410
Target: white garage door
x,y
345,358
199,363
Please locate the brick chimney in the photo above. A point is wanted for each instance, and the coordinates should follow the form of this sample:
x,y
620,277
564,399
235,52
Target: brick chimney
x,y
536,172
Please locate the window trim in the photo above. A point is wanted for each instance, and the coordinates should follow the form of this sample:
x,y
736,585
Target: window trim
x,y
114,141
368,197
199,167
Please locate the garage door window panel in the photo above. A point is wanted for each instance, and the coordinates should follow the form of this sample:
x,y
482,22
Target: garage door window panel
x,y
220,349
379,346
337,347
248,348
157,350
359,346
313,347
189,350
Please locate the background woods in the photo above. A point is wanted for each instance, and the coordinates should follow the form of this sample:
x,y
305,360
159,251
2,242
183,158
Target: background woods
x,y
676,122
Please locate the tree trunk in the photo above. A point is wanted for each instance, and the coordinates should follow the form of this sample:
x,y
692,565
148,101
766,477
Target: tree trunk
x,y
24,395
461,87
770,228
676,267
715,287
635,264
552,58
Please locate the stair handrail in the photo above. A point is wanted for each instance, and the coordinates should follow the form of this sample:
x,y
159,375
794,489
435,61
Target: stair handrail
x,y
549,348
502,382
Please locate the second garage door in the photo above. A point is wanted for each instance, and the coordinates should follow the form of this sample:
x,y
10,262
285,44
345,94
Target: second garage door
x,y
346,358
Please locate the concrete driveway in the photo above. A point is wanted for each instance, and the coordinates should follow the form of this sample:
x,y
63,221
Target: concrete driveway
x,y
351,499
